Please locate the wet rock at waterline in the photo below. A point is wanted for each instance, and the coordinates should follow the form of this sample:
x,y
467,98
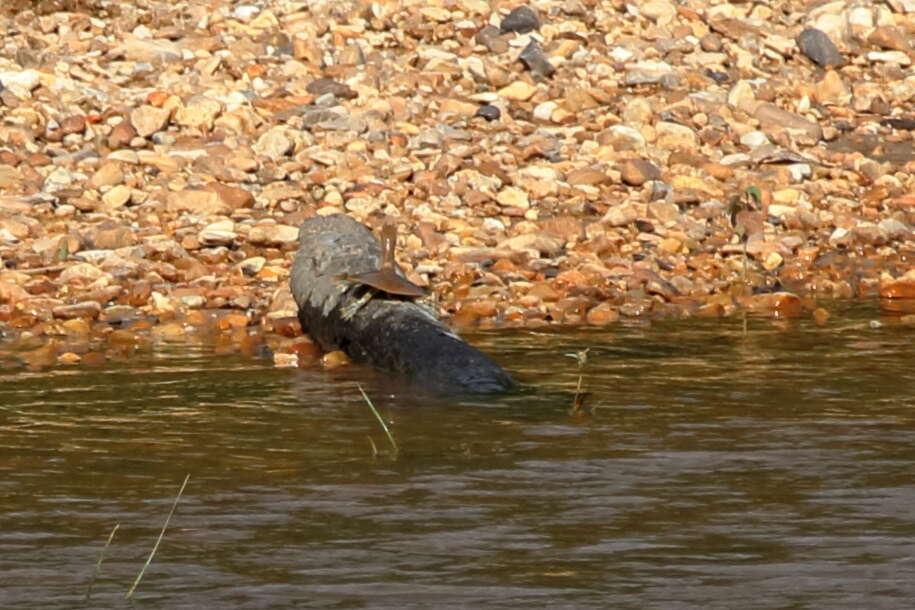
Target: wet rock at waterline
x,y
390,333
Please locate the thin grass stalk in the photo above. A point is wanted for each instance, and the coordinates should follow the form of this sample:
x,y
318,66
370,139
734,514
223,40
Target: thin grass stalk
x,y
384,426
374,447
159,539
98,564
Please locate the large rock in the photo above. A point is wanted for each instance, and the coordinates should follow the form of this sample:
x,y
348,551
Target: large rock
x,y
392,334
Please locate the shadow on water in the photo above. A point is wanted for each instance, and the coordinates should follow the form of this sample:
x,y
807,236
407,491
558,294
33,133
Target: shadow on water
x,y
708,468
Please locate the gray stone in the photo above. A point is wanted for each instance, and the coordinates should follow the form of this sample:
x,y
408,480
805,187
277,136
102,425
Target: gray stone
x,y
818,47
533,58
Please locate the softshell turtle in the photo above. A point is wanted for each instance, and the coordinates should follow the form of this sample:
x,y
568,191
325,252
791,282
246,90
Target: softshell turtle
x,y
388,279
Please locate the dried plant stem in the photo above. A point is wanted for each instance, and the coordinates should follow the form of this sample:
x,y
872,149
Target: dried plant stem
x,y
384,426
158,540
98,564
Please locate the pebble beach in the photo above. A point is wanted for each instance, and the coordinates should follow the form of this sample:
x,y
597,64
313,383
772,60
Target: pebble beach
x,y
554,163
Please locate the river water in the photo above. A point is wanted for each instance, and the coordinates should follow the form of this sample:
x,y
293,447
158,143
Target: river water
x,y
708,468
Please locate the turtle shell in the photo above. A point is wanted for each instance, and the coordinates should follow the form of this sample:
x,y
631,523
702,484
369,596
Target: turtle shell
x,y
388,281
386,278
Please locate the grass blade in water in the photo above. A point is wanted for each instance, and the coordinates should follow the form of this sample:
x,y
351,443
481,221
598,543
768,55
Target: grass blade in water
x,y
158,540
384,426
98,564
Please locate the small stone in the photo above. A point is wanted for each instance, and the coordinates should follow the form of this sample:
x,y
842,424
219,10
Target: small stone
x,y
895,229
587,176
117,197
602,314
202,202
323,86
437,14
234,197
754,139
543,244
273,234
220,233
86,309
624,137
173,331
282,360
533,58
776,304
831,90
334,359
288,326
820,316
711,43
718,171
513,197
81,273
899,288
112,238
246,12
273,144
12,293
742,96
21,82
489,112
621,215
841,237
72,125
121,135
819,48
200,112
772,261
148,51
147,120
252,266
666,212
109,174
889,37
673,136
518,91
890,57
544,111
69,358
521,20
491,38
636,172
773,120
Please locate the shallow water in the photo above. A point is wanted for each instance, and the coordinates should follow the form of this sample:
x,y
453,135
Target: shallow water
x,y
709,469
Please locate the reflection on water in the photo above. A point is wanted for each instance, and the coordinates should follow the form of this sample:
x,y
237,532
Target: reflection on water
x,y
709,469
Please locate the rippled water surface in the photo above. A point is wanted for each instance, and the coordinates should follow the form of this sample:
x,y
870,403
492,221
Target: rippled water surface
x,y
710,469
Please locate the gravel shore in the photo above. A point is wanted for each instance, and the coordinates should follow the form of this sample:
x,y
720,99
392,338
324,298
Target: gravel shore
x,y
563,162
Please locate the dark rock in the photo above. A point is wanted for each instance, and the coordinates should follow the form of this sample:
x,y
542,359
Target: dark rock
x,y
389,333
533,58
521,21
489,112
817,46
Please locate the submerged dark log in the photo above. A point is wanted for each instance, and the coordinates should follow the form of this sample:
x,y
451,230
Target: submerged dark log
x,y
388,332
